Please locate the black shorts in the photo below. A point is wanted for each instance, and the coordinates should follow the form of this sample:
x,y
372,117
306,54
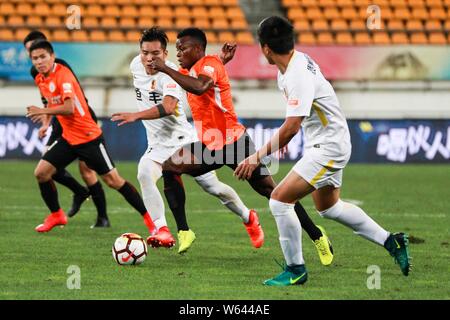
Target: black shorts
x,y
56,131
231,155
60,154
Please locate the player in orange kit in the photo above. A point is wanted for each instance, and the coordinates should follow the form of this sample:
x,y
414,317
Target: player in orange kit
x,y
223,140
81,137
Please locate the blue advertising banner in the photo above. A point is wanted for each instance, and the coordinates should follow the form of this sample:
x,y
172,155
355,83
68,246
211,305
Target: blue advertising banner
x,y
373,141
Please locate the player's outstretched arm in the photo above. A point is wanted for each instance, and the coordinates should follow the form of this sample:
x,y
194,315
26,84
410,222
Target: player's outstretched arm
x,y
285,134
164,109
64,110
193,85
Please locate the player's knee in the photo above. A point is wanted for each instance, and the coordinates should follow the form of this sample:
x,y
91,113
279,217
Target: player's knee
x,y
89,176
143,175
278,208
42,175
113,181
332,212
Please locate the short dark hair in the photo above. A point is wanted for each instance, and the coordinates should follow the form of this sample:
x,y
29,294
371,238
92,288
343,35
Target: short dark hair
x,y
195,33
41,44
154,34
34,35
277,33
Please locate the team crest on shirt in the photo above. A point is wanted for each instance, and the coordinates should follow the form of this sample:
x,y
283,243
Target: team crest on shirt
x,y
153,86
51,87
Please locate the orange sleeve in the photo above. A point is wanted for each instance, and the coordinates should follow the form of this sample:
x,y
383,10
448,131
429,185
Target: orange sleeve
x,y
211,67
66,84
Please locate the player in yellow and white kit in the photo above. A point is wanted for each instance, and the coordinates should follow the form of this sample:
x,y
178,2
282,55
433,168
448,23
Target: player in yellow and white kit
x,y
313,105
160,102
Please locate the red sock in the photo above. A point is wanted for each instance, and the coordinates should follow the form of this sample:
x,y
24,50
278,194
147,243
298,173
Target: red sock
x,y
149,223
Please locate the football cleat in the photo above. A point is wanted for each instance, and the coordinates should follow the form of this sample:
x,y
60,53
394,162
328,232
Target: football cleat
x,y
162,238
324,248
290,276
185,240
52,220
77,201
101,223
254,229
397,245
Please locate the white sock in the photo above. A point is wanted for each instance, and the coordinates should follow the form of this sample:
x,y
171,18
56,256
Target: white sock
x,y
227,196
356,219
148,174
290,231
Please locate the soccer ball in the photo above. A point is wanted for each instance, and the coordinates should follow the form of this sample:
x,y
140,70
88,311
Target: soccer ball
x,y
129,249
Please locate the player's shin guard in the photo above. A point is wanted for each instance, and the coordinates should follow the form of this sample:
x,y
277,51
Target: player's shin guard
x,y
356,219
227,196
289,230
176,198
98,197
311,229
50,195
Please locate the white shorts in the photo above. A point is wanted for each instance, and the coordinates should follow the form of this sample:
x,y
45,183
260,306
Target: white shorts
x,y
319,175
160,153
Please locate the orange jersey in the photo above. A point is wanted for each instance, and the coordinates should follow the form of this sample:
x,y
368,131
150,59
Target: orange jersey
x,y
60,85
213,112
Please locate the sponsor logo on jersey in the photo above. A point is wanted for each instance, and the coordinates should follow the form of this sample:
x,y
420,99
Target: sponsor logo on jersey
x,y
293,102
67,87
171,86
208,69
51,87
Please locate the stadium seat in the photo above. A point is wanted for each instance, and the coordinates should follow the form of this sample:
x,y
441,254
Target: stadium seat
x,y
164,23
301,25
294,14
344,38
94,11
211,37
164,12
418,38
144,23
202,23
182,23
220,24
362,38
395,24
320,25
60,35
235,13
112,11
172,36
399,38
34,21
15,21
239,24
344,3
358,25
182,12
414,25
129,11
212,2
433,25
79,36
116,36
59,10
132,36
438,13
306,38
325,38
6,35
97,36
127,23
289,3
331,13
381,37
21,33
217,13
416,3
339,25
230,3
419,13
437,38
108,22
22,9
54,22
199,12
7,8
349,13
226,36
314,13
89,22
146,11
244,37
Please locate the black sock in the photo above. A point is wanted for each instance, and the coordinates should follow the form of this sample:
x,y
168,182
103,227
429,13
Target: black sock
x,y
65,178
50,195
133,197
176,198
98,197
311,229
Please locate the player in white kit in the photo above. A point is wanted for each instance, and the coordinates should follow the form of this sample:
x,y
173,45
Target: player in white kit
x,y
313,105
160,102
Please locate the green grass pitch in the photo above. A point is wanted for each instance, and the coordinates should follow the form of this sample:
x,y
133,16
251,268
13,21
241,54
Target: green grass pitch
x,y
222,264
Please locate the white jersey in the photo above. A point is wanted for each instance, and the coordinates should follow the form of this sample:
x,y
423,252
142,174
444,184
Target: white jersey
x,y
310,95
168,132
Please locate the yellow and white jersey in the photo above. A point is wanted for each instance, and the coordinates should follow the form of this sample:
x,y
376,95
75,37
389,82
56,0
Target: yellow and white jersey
x,y
310,95
170,131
